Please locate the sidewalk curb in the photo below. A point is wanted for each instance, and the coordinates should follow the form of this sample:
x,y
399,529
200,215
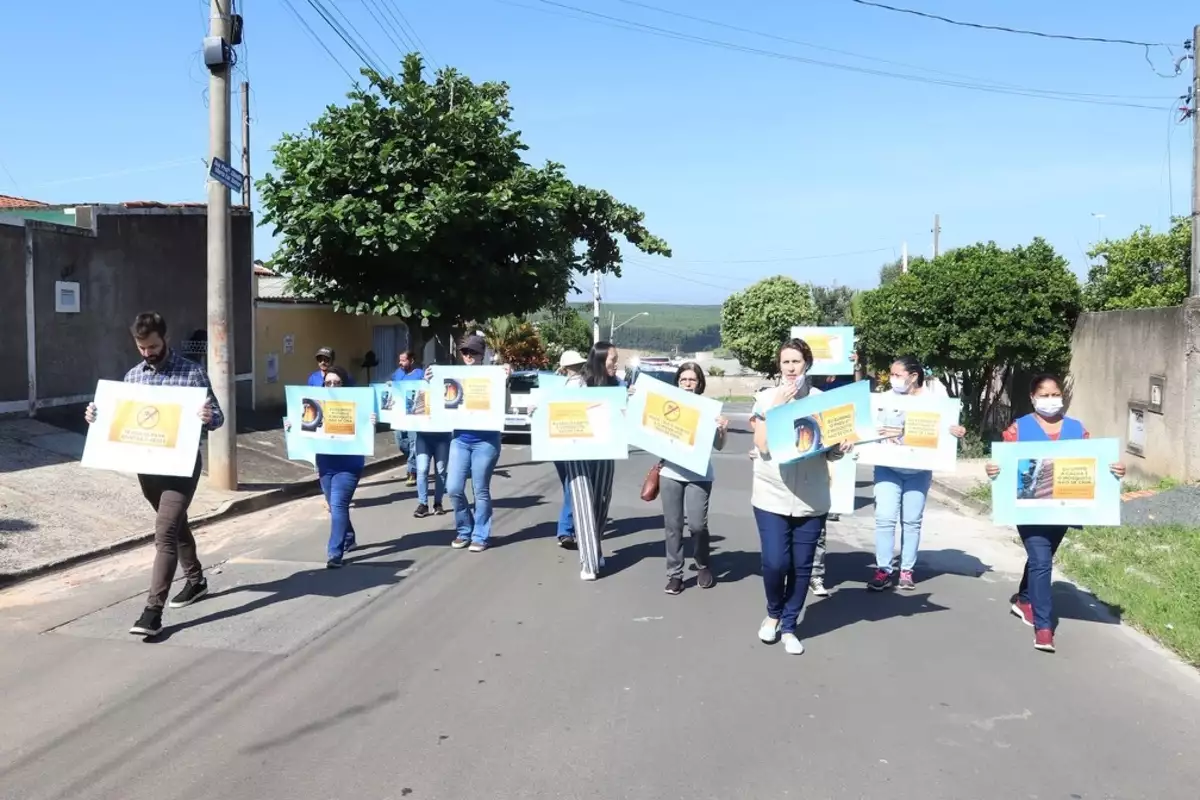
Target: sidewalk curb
x,y
236,507
958,498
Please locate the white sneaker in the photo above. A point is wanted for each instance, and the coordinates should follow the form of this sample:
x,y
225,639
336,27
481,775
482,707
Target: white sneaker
x,y
584,575
817,587
768,632
792,645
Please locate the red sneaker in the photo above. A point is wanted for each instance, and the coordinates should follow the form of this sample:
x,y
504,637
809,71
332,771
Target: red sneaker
x,y
1044,640
1023,611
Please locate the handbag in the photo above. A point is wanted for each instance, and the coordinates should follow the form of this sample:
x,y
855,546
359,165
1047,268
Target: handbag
x,y
650,486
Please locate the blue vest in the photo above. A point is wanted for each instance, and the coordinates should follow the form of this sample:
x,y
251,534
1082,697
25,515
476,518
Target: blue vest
x,y
1028,429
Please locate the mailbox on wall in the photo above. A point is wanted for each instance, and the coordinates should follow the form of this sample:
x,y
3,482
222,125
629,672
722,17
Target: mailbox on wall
x,y
1135,435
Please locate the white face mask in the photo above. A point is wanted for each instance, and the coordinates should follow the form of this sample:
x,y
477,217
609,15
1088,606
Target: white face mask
x,y
900,385
1048,406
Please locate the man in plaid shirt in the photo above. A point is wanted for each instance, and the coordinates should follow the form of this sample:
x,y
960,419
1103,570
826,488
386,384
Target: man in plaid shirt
x,y
170,495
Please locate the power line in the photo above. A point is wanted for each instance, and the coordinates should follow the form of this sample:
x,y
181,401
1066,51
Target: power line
x,y
387,30
1004,29
422,48
313,34
319,7
788,40
378,62
684,278
611,21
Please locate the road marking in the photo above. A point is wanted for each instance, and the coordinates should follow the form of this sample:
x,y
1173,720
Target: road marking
x,y
646,619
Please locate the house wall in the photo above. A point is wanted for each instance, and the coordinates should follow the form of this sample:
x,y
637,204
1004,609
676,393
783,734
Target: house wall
x,y
14,378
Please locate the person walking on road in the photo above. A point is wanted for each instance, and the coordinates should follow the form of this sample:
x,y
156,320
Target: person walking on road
x,y
570,364
685,497
473,454
816,583
790,502
1033,602
406,441
590,482
339,476
432,454
174,544
900,494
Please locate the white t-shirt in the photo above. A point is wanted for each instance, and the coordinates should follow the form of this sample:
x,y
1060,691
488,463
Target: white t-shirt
x,y
799,489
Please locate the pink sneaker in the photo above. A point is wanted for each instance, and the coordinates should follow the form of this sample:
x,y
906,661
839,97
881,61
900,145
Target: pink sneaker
x,y
907,583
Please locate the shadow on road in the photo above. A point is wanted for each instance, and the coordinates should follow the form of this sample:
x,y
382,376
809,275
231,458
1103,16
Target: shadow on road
x,y
853,606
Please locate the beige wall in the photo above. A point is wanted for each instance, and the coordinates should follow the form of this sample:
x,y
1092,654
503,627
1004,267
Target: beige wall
x,y
1113,355
313,327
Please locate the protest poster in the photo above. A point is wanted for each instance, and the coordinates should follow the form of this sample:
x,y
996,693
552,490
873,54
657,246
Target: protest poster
x,y
468,398
832,348
671,423
916,431
150,430
1056,483
330,421
578,424
843,481
822,420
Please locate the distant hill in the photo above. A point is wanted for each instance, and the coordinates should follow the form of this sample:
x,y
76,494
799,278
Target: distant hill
x,y
667,327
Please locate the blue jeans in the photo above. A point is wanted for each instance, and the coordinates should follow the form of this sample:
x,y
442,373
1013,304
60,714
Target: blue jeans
x,y
435,448
566,517
339,487
789,545
899,498
406,443
475,460
1041,543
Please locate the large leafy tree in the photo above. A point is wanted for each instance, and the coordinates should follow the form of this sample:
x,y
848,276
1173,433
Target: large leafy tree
x,y
833,304
976,315
564,328
756,320
414,200
1144,270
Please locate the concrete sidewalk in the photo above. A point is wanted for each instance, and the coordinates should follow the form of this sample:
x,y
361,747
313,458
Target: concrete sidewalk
x,y
54,512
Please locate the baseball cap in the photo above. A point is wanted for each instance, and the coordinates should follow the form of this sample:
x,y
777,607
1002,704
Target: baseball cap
x,y
325,351
475,344
571,358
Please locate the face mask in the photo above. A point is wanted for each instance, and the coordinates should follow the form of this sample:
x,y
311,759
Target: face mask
x,y
803,384
900,385
1048,406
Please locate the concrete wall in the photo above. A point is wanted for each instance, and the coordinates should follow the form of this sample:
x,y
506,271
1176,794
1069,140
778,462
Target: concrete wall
x,y
310,327
14,382
1113,355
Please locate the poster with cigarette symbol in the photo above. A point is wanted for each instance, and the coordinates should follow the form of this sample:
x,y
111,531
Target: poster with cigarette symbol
x,y
578,424
151,430
673,424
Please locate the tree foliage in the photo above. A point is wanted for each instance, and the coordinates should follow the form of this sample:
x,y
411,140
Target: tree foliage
x,y
756,320
833,304
892,270
1144,270
414,200
515,341
976,315
564,329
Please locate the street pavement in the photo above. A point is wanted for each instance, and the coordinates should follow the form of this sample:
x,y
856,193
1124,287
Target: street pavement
x,y
427,673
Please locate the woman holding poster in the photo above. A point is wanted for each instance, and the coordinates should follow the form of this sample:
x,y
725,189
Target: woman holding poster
x,y
685,496
900,494
790,504
1033,602
590,482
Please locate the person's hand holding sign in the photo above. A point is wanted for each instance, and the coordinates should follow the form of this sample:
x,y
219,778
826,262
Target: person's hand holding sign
x,y
206,414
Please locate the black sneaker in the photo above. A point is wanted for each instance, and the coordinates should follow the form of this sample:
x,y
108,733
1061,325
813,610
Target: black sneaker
x,y
566,542
190,594
437,509
881,581
704,578
674,586
421,511
334,563
149,623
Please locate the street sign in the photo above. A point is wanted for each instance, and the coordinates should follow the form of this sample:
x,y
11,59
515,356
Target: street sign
x,y
226,175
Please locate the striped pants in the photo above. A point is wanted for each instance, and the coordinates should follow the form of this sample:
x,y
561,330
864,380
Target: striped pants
x,y
590,484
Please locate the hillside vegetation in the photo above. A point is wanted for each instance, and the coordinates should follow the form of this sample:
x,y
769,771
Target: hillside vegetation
x,y
689,328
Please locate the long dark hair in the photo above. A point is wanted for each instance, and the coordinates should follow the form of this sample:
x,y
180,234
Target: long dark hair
x,y
692,366
913,367
595,371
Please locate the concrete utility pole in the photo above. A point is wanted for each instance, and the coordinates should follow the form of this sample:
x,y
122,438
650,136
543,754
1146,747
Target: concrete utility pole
x,y
1195,161
222,443
595,307
904,256
937,234
246,143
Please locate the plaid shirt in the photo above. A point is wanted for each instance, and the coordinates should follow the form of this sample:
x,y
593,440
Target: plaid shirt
x,y
178,371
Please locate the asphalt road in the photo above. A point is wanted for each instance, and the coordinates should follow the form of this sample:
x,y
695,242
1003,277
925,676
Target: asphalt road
x,y
426,673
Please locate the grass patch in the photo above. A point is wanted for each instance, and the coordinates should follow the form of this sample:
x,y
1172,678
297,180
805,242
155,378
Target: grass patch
x,y
981,493
1150,573
736,398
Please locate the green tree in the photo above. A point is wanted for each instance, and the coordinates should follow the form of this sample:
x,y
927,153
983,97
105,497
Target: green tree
x,y
414,200
833,304
564,329
515,341
1144,270
756,320
976,315
892,270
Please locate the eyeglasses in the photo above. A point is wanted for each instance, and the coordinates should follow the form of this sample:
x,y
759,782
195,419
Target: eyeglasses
x,y
471,353
323,359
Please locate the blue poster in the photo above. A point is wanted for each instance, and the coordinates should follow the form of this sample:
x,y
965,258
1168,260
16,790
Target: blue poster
x,y
819,422
330,421
579,424
1056,483
832,348
551,380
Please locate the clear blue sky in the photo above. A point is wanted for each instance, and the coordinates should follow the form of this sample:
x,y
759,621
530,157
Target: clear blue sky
x,y
748,164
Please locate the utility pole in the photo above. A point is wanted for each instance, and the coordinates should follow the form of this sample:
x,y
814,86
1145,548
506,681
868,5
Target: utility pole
x,y
612,325
904,256
222,443
937,233
1195,108
246,143
595,307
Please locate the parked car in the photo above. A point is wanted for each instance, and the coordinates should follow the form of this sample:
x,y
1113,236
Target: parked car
x,y
520,384
656,371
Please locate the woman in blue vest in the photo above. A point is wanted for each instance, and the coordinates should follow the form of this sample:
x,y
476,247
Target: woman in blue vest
x,y
1033,601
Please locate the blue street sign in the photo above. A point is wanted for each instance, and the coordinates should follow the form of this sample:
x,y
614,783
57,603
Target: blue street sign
x,y
227,175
